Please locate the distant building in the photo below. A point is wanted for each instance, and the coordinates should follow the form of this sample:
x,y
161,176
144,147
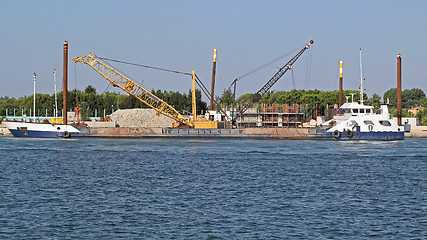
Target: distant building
x,y
415,110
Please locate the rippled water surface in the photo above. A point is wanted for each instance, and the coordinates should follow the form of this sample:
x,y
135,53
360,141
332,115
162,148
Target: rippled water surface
x,y
219,189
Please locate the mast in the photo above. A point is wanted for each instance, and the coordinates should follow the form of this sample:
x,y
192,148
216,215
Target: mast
x,y
340,90
34,101
399,90
64,83
361,79
213,79
56,99
193,95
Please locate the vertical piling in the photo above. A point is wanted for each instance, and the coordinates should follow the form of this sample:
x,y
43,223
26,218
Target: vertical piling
x,y
340,90
65,85
213,79
399,90
193,95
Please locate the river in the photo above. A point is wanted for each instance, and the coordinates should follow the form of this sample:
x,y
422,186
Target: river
x,y
212,189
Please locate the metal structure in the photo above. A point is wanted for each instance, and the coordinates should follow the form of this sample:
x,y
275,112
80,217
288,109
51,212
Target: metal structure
x,y
65,84
213,79
34,100
340,90
399,90
267,86
56,99
119,80
361,79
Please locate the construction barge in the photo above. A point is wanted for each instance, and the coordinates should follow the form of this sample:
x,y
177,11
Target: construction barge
x,y
252,133
243,123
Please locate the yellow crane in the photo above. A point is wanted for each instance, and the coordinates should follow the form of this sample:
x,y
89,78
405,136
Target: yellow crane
x,y
119,80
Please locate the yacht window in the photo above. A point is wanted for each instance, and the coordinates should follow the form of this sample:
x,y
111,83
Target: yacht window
x,y
368,110
347,111
385,123
362,110
368,122
355,110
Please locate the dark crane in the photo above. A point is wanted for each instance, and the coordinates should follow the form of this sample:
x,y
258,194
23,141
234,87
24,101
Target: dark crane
x,y
257,96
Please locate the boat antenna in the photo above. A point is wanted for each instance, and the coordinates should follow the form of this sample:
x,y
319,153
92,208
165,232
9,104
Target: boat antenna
x,y
34,102
361,79
352,97
346,98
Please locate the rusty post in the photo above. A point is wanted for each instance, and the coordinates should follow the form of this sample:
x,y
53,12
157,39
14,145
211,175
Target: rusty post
x,y
64,82
213,79
399,90
340,90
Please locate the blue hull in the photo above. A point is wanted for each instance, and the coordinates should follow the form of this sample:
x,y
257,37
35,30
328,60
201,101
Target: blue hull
x,y
371,136
39,134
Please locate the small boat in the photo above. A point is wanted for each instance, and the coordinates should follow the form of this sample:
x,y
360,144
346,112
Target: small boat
x,y
41,130
356,121
366,126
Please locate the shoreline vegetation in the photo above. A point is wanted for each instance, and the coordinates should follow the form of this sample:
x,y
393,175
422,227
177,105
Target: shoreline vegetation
x,y
90,101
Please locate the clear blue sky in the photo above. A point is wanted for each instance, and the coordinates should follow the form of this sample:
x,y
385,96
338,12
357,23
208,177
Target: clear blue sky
x,y
181,35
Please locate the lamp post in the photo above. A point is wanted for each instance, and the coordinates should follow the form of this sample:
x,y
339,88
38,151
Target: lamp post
x,y
34,102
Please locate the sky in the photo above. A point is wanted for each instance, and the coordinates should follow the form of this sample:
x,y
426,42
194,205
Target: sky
x,y
181,35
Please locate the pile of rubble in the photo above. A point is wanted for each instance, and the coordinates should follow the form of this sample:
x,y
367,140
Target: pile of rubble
x,y
140,117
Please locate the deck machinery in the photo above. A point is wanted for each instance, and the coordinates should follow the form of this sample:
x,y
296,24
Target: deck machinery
x,y
267,86
119,80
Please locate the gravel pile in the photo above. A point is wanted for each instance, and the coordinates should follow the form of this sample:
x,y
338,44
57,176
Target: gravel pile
x,y
140,117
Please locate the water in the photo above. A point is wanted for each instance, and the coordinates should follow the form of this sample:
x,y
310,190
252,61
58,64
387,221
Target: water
x,y
219,189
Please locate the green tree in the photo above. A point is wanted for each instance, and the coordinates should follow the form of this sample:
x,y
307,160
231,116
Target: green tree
x,y
90,89
391,96
374,101
226,98
410,97
422,116
245,98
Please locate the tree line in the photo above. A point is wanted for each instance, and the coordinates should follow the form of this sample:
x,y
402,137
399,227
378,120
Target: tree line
x,y
328,99
89,100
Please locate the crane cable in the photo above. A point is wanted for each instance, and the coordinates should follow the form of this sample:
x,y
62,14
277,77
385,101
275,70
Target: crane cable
x,y
293,79
264,65
308,69
95,100
197,79
145,66
208,95
118,69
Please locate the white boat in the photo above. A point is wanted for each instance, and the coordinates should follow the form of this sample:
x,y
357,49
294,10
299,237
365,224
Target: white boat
x,y
366,126
359,121
41,130
348,110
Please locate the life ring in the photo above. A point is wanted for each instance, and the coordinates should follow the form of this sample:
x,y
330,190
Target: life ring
x,y
66,134
370,128
336,134
349,133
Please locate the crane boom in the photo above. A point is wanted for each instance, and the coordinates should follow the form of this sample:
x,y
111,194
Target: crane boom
x,y
119,80
267,86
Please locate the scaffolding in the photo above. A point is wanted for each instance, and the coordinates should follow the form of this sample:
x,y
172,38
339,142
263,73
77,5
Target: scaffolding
x,y
274,115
